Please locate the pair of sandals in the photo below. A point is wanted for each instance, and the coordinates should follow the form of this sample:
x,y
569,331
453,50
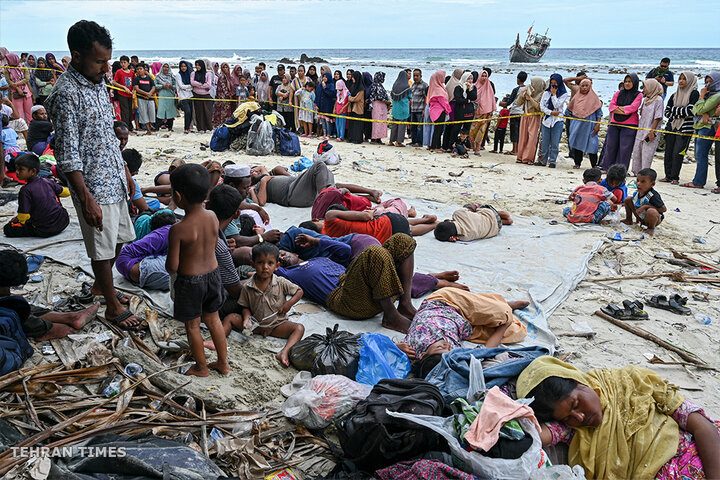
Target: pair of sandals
x,y
630,310
85,297
674,303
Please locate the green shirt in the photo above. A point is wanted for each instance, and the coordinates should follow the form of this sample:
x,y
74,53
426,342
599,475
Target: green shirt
x,y
706,106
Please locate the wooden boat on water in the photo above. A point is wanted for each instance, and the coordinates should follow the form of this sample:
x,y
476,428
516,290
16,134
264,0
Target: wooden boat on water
x,y
535,47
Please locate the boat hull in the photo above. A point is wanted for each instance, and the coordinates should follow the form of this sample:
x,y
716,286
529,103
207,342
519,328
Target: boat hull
x,y
518,55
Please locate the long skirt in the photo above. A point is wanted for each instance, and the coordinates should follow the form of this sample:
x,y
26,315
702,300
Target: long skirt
x,y
370,277
166,106
479,129
528,142
222,111
203,112
379,112
355,128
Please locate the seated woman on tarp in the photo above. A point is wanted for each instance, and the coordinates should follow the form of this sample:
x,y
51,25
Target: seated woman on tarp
x,y
621,422
449,316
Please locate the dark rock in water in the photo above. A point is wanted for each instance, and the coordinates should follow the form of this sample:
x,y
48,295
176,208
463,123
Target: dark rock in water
x,y
286,61
305,59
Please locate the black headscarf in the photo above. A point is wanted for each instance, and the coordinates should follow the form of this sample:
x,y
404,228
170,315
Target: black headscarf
x,y
43,75
367,81
200,76
357,85
185,76
476,75
627,97
401,87
488,70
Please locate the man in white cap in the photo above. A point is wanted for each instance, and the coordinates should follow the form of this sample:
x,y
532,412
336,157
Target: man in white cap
x,y
238,177
39,131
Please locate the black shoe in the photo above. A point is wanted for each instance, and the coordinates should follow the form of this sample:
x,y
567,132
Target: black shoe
x,y
552,165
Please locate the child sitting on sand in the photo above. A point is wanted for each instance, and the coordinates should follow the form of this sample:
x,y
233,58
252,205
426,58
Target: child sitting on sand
x,y
38,323
264,297
645,204
615,182
40,213
196,284
472,222
462,144
591,202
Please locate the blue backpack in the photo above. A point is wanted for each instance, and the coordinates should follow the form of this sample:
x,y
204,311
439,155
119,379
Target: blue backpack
x,y
286,143
14,346
220,140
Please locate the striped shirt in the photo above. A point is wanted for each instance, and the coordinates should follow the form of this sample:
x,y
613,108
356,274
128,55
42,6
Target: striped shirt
x,y
673,113
228,273
417,102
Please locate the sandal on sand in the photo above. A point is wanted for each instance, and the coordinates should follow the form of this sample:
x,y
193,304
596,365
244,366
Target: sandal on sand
x,y
539,164
715,190
691,185
121,318
615,312
636,310
675,304
519,161
664,180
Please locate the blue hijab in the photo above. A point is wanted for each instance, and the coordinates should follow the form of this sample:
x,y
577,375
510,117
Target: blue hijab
x,y
561,89
185,76
325,97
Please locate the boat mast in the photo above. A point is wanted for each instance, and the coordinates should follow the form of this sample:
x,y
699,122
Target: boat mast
x,y
529,31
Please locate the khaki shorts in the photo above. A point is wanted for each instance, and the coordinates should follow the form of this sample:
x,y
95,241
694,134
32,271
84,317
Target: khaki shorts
x,y
117,229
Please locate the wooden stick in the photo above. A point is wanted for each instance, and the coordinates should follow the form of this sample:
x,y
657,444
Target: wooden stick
x,y
682,256
203,430
630,277
30,406
649,336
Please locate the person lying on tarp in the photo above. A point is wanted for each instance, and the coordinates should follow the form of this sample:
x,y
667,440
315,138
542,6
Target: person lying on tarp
x,y
450,316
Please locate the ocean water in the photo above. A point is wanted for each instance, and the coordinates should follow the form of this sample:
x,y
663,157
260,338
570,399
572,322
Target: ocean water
x,y
605,66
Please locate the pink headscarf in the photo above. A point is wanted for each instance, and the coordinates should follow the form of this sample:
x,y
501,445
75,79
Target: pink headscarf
x,y
437,85
155,68
485,94
235,78
14,61
342,94
3,51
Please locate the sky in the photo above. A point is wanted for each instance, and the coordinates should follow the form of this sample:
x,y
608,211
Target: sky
x,y
38,25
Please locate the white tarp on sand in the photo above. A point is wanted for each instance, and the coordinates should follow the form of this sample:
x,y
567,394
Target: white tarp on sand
x,y
531,260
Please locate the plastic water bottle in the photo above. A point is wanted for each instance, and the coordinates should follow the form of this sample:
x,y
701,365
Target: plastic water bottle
x,y
702,318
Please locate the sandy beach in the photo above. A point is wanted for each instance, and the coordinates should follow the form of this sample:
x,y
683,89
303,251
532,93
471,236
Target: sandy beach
x,y
521,190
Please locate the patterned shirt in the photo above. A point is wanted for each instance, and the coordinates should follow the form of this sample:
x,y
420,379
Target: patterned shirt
x,y
84,137
417,102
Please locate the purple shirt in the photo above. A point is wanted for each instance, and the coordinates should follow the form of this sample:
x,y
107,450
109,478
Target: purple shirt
x,y
360,242
319,276
151,245
39,199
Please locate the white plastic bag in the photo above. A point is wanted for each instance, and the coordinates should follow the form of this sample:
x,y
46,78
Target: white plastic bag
x,y
478,464
260,137
559,472
324,399
330,157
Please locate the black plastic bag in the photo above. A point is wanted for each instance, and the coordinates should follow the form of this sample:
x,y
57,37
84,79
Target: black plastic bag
x,y
336,352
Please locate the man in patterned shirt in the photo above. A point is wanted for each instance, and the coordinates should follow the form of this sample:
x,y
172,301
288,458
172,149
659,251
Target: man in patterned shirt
x,y
87,152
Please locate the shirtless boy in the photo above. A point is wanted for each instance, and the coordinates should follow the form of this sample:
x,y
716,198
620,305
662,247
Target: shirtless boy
x,y
191,263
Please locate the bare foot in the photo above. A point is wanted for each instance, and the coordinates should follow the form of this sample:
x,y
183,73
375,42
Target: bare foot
x,y
223,368
197,371
518,304
650,231
450,275
506,218
209,344
375,196
626,221
396,322
125,299
283,357
407,310
429,218
85,316
412,212
446,284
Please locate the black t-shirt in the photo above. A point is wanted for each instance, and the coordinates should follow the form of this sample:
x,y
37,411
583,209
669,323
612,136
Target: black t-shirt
x,y
145,83
38,131
275,82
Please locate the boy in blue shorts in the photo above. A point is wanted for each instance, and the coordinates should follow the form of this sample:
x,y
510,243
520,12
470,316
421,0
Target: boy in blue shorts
x,y
646,204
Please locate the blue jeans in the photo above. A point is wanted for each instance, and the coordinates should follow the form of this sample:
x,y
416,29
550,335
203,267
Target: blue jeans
x,y
325,123
452,374
153,275
340,126
551,142
603,209
416,133
702,150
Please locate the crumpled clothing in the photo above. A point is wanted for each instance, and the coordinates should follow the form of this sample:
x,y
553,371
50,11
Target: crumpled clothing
x,y
466,413
422,470
241,112
497,410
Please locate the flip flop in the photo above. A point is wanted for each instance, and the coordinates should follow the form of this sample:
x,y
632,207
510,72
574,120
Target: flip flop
x,y
636,310
121,318
691,185
671,305
34,262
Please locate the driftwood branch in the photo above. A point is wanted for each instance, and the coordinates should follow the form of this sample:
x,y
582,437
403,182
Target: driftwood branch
x,y
652,337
